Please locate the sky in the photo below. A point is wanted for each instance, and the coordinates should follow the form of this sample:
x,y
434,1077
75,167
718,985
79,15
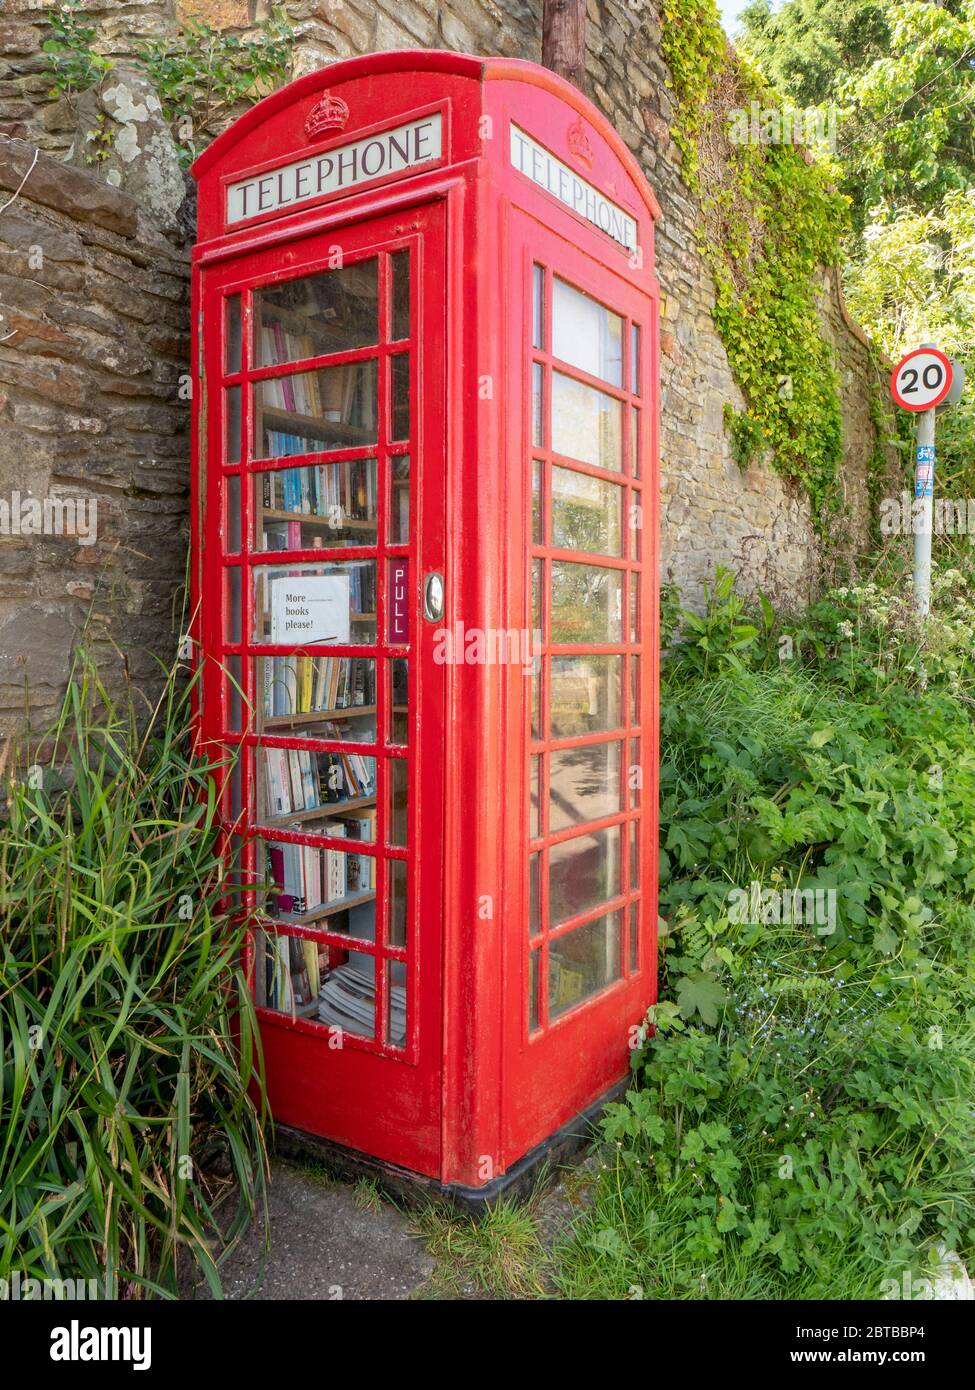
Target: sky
x,y
730,9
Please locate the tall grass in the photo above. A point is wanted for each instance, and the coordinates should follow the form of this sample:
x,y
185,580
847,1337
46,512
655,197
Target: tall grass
x,y
131,1151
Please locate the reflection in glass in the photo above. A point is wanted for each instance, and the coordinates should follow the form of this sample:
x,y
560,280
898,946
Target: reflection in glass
x,y
534,896
232,416
324,504
312,604
334,311
586,423
537,503
397,902
583,873
583,785
538,406
586,513
582,962
586,695
634,937
312,412
534,797
400,266
586,335
399,501
635,443
587,603
538,305
398,773
401,395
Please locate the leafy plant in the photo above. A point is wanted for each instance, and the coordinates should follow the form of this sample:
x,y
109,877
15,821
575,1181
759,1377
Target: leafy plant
x,y
71,59
126,1120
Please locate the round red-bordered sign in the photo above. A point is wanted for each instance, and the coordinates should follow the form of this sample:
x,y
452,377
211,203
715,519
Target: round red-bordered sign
x,y
921,380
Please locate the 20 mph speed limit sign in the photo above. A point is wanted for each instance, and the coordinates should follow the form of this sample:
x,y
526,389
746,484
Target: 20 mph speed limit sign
x,y
921,380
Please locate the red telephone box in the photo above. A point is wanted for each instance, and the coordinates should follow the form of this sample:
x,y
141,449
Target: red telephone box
x,y
425,560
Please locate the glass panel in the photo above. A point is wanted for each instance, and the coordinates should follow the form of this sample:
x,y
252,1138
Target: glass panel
x,y
232,417
634,774
533,990
586,335
288,973
536,705
634,606
583,962
401,396
233,335
327,793
635,358
534,804
634,521
538,306
399,501
537,503
635,443
398,902
348,994
587,603
398,770
634,855
400,266
233,604
534,896
586,695
634,690
586,513
324,504
310,604
232,531
586,423
327,886
395,1030
312,412
538,571
538,406
583,785
583,873
399,702
235,699
634,937
334,311
328,697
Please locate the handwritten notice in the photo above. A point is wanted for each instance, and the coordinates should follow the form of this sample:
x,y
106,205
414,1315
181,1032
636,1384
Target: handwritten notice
x,y
310,608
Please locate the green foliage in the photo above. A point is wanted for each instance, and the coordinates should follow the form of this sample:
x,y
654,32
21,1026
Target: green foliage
x,y
801,1122
771,219
125,1119
71,59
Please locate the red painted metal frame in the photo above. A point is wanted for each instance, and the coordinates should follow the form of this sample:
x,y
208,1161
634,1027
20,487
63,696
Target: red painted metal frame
x,y
474,1091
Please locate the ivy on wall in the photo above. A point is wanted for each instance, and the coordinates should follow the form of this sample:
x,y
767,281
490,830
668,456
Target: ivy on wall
x,y
770,219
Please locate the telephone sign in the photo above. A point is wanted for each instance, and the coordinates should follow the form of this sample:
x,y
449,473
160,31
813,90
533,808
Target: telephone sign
x,y
921,380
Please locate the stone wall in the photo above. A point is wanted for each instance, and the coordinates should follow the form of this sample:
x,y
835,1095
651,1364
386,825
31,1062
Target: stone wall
x,y
90,383
94,346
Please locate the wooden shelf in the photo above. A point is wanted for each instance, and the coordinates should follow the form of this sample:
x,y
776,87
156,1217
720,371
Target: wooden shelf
x,y
326,909
316,426
313,519
316,716
328,809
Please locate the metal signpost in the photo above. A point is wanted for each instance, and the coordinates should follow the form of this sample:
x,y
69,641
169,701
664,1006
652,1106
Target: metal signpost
x,y
920,382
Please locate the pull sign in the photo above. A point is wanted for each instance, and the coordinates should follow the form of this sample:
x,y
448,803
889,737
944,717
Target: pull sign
x,y
921,380
398,601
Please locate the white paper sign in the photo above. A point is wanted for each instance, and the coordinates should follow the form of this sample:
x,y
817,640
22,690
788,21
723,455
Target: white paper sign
x,y
348,166
310,608
535,162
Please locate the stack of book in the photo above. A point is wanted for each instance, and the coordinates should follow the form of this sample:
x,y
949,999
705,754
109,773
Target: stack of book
x,y
296,393
325,489
288,974
297,780
300,684
347,1000
303,878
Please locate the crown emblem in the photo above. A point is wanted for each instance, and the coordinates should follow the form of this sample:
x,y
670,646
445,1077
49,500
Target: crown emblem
x,y
579,145
331,113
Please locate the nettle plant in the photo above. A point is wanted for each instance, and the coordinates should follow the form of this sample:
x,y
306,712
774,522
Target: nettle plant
x,y
202,74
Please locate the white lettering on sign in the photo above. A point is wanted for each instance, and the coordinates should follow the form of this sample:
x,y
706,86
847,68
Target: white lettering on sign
x,y
349,166
561,182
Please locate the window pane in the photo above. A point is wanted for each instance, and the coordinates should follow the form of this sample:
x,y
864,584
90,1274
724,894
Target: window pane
x,y
583,962
401,396
584,784
325,793
233,618
327,697
634,690
583,873
538,572
398,928
538,406
232,423
398,773
586,513
399,701
324,504
232,531
395,1031
634,855
634,937
309,604
534,793
536,705
233,335
635,443
533,990
538,305
534,896
586,695
635,358
634,606
634,774
311,412
400,265
586,335
586,423
587,603
537,503
348,996
317,314
305,884
399,501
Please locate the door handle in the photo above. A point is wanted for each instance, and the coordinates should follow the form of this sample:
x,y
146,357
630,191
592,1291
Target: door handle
x,y
433,597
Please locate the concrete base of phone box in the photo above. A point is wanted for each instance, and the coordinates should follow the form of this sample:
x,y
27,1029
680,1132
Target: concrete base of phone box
x,y
519,1182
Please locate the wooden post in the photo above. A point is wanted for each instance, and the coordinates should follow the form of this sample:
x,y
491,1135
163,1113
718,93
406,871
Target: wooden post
x,y
564,39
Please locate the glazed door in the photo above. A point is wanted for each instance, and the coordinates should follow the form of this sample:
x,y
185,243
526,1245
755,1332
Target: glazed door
x,y
324,407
